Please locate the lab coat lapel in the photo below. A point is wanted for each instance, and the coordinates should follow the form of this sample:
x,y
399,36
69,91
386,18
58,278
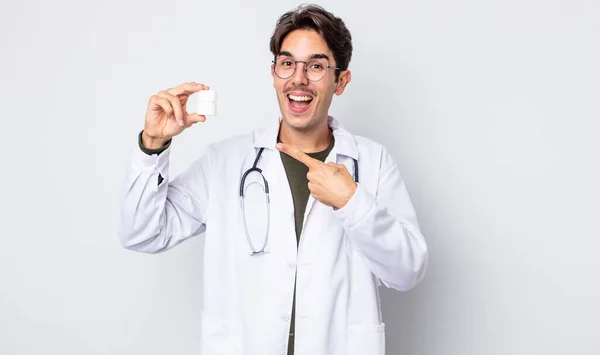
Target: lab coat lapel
x,y
282,204
273,166
281,195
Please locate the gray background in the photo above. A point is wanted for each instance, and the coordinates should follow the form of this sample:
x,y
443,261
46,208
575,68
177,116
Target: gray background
x,y
489,107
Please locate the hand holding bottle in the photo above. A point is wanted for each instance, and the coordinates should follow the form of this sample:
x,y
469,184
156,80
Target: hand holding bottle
x,y
166,115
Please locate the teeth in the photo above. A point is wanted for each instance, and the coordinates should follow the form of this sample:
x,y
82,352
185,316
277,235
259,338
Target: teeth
x,y
300,98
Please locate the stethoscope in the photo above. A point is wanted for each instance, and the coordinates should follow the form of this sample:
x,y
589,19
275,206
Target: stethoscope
x,y
253,251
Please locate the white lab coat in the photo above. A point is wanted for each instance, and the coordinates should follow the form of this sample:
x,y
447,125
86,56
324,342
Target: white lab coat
x,y
342,258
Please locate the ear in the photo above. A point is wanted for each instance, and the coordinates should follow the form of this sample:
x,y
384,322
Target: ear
x,y
273,73
343,80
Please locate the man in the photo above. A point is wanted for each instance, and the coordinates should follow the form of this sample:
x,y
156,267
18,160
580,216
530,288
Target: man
x,y
339,221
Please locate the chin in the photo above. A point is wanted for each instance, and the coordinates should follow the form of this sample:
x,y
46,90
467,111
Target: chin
x,y
297,122
301,123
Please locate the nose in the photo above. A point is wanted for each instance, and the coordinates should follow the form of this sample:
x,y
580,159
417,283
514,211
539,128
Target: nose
x,y
299,77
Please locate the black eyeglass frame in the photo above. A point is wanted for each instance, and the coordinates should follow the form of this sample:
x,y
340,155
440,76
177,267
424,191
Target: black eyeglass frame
x,y
274,61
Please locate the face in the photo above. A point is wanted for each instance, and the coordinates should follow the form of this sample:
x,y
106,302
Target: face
x,y
305,104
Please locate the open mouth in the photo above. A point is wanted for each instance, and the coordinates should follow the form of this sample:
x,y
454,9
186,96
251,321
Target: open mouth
x,y
299,103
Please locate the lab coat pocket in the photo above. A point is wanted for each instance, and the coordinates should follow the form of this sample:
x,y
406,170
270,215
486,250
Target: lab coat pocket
x,y
366,339
220,337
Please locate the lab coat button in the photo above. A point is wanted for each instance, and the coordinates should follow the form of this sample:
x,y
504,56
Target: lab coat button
x,y
285,317
291,265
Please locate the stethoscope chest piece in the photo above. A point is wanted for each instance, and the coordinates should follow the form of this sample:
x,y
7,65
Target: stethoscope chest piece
x,y
258,252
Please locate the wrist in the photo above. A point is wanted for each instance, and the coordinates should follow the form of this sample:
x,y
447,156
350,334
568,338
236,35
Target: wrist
x,y
343,202
151,142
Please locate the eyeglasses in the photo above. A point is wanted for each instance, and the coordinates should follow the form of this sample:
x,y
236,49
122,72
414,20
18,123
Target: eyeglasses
x,y
314,69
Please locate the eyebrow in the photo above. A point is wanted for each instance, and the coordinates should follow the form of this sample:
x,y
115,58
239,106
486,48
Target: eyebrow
x,y
314,56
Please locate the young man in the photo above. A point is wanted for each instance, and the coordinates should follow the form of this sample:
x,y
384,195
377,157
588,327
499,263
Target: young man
x,y
339,221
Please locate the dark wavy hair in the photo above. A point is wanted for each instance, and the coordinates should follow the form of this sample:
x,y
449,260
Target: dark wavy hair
x,y
314,17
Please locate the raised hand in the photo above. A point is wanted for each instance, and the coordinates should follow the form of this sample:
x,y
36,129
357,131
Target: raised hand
x,y
329,183
166,115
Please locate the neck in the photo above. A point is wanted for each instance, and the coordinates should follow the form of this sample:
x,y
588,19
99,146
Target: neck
x,y
310,141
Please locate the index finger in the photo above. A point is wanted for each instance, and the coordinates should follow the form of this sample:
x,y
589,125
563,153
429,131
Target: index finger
x,y
298,155
187,89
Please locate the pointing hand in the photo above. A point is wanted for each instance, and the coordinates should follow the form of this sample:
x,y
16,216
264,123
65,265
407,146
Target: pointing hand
x,y
329,183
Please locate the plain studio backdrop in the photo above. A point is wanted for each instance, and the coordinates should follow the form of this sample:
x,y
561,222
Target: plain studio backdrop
x,y
490,108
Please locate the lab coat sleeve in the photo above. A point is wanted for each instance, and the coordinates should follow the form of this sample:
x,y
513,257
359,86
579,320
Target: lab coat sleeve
x,y
155,217
384,230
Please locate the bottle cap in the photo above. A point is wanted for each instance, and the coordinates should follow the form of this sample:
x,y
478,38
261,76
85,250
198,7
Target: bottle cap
x,y
206,96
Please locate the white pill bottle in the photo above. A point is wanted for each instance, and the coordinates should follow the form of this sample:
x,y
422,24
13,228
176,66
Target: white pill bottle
x,y
207,102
